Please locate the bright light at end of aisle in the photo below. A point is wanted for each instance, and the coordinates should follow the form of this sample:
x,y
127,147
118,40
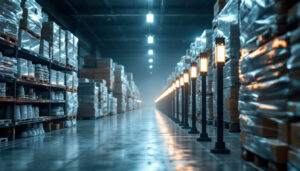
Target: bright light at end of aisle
x,y
150,39
150,60
150,52
150,18
150,66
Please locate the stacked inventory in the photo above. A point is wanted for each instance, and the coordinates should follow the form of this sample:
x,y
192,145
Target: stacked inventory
x,y
30,26
62,47
120,87
112,104
8,66
225,25
103,97
103,71
11,13
204,45
88,99
71,50
32,87
269,76
51,34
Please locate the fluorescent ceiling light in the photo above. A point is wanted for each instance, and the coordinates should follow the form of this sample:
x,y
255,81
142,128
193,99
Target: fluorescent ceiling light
x,y
150,52
150,66
150,39
150,60
150,18
198,38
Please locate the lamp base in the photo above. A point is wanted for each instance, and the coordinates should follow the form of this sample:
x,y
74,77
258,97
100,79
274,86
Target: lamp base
x,y
186,127
220,148
194,131
220,151
203,139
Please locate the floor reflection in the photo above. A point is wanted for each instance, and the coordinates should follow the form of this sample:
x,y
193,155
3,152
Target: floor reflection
x,y
139,140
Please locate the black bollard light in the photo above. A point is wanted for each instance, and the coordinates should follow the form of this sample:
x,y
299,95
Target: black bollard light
x,y
182,100
193,73
186,80
203,67
173,101
177,84
220,60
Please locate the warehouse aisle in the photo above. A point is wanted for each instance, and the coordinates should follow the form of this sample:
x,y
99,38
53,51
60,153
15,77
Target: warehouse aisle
x,y
139,140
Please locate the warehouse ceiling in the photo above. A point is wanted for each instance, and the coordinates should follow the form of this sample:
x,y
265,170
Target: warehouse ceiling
x,y
119,29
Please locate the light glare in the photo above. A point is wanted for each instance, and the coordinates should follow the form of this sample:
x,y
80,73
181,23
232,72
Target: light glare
x,y
150,18
150,39
150,60
150,66
150,52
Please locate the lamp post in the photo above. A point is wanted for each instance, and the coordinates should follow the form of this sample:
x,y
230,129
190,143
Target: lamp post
x,y
186,80
182,100
177,84
203,67
193,73
173,101
220,60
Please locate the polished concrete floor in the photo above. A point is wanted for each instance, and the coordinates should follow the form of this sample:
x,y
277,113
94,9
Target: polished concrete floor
x,y
139,140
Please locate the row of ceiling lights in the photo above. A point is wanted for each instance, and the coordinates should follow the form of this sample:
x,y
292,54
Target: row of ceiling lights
x,y
150,40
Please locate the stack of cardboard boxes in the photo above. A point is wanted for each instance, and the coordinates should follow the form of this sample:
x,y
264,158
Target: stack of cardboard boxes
x,y
30,26
269,76
88,99
120,87
104,70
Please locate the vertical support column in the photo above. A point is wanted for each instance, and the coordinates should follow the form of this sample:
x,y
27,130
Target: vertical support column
x,y
203,135
220,144
194,127
186,106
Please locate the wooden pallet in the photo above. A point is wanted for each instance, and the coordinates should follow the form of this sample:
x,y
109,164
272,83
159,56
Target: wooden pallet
x,y
26,97
23,77
8,38
261,163
88,118
58,62
28,119
3,140
232,127
71,89
32,33
70,66
71,117
5,121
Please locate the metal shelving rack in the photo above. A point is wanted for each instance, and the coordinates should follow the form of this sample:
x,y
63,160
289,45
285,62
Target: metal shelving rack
x,y
14,51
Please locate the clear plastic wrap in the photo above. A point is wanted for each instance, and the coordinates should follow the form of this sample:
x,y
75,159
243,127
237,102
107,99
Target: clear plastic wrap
x,y
69,80
29,42
22,67
10,15
227,26
53,75
88,99
50,32
8,66
31,69
62,46
32,16
2,89
261,21
60,78
45,49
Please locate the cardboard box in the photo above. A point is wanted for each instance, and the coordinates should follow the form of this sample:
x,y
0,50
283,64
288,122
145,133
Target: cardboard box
x,y
295,134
